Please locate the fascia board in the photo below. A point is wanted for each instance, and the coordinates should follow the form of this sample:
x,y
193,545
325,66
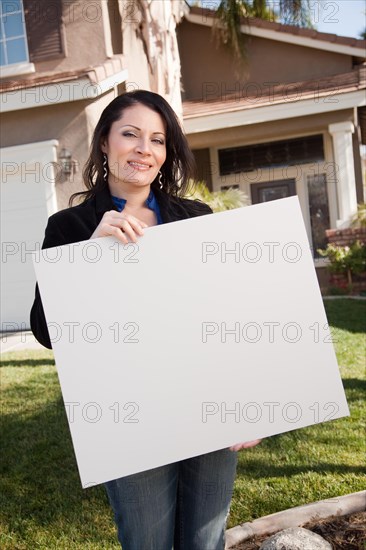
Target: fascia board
x,y
268,113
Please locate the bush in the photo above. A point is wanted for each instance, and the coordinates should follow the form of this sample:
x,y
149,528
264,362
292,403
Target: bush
x,y
347,260
219,201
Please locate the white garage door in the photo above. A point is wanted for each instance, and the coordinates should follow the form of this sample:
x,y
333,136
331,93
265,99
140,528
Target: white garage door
x,y
28,198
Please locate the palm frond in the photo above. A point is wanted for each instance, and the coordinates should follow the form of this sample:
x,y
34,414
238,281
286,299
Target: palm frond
x,y
296,12
261,10
226,27
232,13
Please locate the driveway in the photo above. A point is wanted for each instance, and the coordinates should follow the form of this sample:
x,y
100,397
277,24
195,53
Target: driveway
x,y
16,341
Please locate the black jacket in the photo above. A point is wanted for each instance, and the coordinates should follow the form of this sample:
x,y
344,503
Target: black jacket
x,y
78,223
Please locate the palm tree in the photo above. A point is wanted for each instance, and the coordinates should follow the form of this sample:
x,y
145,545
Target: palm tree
x,y
232,12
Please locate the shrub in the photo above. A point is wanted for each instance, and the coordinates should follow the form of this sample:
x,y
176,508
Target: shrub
x,y
347,260
218,200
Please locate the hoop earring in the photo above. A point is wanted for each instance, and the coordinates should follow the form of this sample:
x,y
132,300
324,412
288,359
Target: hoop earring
x,y
161,180
105,168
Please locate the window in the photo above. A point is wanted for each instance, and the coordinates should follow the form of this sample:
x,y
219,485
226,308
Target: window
x,y
13,37
30,31
270,191
319,211
287,152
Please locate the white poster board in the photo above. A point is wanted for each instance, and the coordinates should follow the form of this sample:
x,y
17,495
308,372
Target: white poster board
x,y
211,331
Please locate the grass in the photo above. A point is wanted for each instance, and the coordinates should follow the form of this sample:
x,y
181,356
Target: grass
x,y
44,507
319,462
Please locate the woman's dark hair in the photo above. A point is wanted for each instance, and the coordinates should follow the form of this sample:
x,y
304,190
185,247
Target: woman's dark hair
x,y
179,164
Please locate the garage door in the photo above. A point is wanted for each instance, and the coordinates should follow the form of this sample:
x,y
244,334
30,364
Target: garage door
x,y
28,198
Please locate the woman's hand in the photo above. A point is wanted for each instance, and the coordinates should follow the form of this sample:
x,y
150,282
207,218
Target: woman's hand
x,y
246,445
124,227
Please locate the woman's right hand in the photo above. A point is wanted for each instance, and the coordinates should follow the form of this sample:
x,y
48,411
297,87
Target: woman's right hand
x,y
124,227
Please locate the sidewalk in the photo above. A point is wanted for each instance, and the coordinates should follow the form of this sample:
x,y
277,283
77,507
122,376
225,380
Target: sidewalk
x,y
17,341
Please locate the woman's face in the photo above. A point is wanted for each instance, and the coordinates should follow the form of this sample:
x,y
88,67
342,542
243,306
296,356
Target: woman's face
x,y
135,148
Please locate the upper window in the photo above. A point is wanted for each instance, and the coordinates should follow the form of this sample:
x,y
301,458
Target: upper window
x,y
13,37
287,152
30,31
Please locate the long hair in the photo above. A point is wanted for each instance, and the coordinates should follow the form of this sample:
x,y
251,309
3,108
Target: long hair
x,y
178,166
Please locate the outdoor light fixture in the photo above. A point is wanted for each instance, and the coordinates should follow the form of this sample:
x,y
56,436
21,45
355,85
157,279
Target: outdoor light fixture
x,y
66,162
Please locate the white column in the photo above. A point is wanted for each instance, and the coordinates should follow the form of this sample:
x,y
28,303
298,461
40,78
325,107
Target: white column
x,y
344,172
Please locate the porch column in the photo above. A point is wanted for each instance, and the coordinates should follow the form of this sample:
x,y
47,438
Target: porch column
x,y
344,172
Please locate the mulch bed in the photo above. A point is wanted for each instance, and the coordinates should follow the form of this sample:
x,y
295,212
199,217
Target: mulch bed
x,y
342,532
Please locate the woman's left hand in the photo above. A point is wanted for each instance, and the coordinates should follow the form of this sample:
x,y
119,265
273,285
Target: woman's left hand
x,y
246,445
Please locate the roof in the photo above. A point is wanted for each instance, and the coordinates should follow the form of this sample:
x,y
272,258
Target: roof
x,y
17,94
310,89
94,74
282,29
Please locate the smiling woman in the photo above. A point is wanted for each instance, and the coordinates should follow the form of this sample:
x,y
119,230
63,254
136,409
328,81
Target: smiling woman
x,y
136,176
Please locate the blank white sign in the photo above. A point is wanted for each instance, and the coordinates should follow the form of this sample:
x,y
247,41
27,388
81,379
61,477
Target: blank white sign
x,y
211,331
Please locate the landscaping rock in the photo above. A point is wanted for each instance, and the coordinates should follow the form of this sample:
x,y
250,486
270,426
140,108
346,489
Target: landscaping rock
x,y
295,538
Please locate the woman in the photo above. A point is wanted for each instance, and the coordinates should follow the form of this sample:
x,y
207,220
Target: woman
x,y
136,177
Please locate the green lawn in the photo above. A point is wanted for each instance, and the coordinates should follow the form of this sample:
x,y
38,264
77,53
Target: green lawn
x,y
43,506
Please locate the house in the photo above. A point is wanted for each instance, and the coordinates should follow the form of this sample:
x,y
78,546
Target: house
x,y
291,121
62,62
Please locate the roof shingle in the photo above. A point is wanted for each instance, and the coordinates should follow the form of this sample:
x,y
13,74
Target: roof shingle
x,y
340,83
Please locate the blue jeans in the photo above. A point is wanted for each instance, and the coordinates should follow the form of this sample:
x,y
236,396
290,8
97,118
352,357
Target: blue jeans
x,y
184,504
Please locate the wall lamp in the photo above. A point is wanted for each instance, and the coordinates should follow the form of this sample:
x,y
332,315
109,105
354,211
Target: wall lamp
x,y
66,162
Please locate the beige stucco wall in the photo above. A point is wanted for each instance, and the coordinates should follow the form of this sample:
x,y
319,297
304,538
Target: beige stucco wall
x,y
269,61
135,60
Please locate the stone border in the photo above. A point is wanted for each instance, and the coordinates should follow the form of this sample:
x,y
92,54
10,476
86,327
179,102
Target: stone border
x,y
294,517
